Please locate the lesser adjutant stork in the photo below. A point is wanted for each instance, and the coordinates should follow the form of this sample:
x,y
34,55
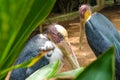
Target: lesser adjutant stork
x,y
101,34
55,39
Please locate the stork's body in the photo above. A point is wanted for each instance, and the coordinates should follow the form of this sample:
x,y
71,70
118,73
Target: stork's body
x,y
100,31
54,37
32,49
101,35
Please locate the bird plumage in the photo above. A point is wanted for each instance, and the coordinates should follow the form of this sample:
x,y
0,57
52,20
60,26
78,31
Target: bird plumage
x,y
32,49
101,35
54,41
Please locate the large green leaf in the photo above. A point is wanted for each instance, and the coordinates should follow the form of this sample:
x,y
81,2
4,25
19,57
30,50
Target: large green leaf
x,y
11,19
45,72
73,73
101,69
18,18
25,64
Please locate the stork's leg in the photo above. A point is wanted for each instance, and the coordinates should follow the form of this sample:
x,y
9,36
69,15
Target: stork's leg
x,y
81,32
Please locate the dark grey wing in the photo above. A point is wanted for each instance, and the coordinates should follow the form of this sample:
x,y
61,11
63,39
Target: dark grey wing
x,y
104,25
117,65
33,46
99,26
97,41
31,49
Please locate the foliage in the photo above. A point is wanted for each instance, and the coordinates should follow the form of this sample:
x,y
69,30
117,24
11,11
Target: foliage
x,y
45,72
83,1
101,69
65,6
70,73
17,20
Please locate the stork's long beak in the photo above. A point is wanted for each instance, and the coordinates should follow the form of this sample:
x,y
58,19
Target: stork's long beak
x,y
68,53
56,36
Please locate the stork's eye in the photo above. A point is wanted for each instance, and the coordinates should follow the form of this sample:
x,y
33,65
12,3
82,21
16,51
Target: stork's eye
x,y
49,54
59,35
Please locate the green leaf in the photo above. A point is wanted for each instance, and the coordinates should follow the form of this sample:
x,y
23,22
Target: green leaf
x,y
70,73
25,64
47,71
11,18
101,69
32,20
22,65
18,18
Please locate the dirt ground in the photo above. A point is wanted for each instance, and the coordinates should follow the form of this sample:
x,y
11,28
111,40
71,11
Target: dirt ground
x,y
85,56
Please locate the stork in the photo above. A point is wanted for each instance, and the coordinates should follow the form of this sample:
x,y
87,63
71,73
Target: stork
x,y
101,34
55,39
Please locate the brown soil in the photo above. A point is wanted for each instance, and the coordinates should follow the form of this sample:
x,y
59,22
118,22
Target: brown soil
x,y
85,56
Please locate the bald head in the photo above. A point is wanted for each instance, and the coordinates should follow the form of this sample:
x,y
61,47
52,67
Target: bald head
x,y
83,9
57,32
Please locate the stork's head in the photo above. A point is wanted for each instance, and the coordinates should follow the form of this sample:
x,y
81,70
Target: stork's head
x,y
58,35
85,11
